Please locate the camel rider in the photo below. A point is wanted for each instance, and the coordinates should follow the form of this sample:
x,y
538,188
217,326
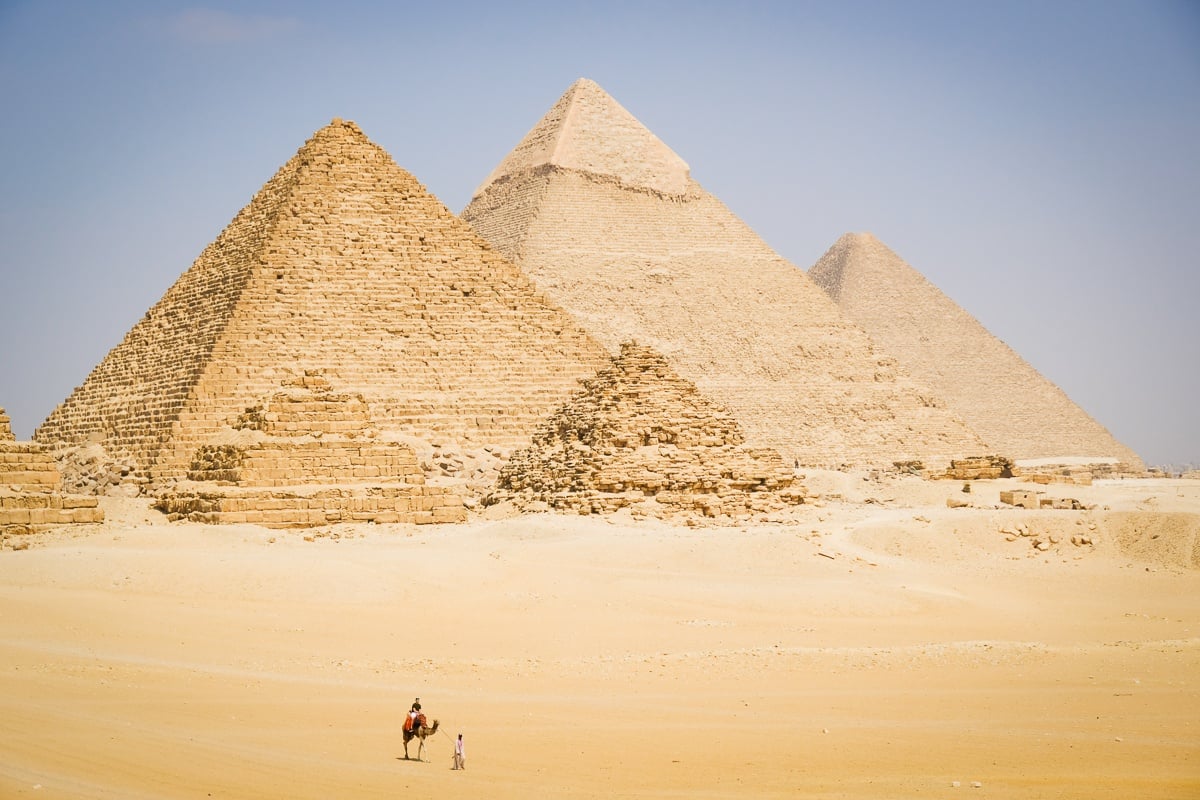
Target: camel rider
x,y
413,713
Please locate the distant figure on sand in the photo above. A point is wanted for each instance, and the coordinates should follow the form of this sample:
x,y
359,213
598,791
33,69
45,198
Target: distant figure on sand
x,y
460,754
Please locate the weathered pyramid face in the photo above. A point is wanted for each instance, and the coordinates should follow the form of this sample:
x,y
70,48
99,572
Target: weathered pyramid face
x,y
6,434
342,264
607,221
1012,406
638,431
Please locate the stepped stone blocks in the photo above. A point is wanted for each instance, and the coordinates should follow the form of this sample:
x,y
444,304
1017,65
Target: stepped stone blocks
x,y
307,456
609,223
342,263
1077,471
1022,498
1013,407
30,496
639,432
979,468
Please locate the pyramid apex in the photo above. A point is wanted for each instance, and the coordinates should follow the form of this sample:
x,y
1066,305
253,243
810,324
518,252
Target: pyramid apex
x,y
339,126
849,254
588,131
857,237
339,140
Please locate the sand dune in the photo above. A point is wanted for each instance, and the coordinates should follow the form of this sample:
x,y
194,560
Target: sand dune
x,y
877,645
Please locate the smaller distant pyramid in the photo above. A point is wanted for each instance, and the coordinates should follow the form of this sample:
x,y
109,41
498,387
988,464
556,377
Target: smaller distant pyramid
x,y
307,456
639,432
1016,410
30,488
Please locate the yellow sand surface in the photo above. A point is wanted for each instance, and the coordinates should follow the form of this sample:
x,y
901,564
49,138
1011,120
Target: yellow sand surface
x,y
874,644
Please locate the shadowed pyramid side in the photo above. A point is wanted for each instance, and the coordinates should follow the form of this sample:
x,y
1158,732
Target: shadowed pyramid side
x,y
1012,406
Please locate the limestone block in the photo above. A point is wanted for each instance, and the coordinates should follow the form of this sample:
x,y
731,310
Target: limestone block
x,y
1021,498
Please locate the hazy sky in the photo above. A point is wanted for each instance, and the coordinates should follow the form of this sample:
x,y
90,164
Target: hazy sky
x,y
1039,162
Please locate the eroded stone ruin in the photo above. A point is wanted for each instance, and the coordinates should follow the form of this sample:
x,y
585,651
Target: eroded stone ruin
x,y
30,488
640,436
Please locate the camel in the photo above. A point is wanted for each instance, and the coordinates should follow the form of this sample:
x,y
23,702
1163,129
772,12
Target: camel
x,y
419,731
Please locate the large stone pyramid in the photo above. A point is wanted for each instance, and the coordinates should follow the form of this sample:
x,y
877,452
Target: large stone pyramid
x,y
637,432
1009,403
609,223
342,264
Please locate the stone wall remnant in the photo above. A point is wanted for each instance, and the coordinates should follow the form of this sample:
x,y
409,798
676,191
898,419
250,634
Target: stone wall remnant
x,y
31,496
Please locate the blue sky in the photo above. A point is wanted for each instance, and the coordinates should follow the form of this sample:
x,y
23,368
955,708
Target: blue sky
x,y
1039,162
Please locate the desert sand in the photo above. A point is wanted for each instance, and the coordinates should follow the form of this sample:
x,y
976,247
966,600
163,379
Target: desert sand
x,y
874,644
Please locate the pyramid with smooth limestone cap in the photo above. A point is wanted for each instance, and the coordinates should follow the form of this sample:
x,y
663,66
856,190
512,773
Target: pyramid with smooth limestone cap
x,y
609,223
342,265
1009,403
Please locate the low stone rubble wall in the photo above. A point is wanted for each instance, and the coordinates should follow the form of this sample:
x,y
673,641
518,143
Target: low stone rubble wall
x,y
30,484
301,508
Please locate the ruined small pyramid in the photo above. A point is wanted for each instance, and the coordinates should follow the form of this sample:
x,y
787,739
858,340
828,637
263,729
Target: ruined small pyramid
x,y
638,431
342,264
1009,403
610,224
